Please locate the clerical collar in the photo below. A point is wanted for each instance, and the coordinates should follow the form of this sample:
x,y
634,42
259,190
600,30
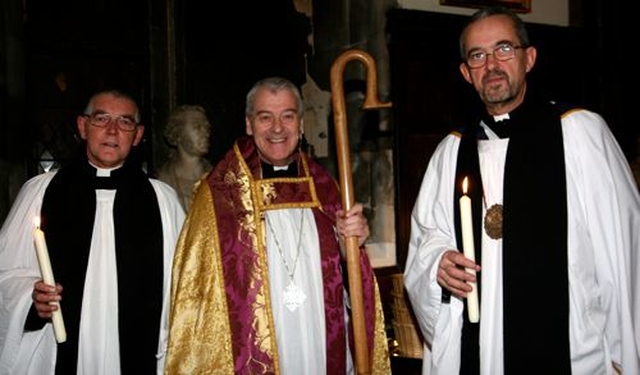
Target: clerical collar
x,y
271,171
107,178
499,125
104,172
502,117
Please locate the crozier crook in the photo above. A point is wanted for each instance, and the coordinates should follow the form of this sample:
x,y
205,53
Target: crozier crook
x,y
363,361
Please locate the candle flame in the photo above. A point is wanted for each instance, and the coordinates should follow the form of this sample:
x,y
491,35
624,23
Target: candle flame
x,y
36,221
465,184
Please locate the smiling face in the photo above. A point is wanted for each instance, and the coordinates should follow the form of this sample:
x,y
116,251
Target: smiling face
x,y
109,146
275,125
500,84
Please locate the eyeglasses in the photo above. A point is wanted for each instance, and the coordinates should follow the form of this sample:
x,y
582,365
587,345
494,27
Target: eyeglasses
x,y
269,118
503,52
102,120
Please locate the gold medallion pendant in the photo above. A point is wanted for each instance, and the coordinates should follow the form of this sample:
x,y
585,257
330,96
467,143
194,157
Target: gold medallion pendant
x,y
493,221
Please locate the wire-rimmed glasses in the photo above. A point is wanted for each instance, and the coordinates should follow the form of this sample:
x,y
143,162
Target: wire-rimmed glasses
x,y
102,120
503,52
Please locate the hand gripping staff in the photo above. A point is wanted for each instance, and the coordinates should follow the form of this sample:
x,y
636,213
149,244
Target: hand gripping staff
x,y
363,362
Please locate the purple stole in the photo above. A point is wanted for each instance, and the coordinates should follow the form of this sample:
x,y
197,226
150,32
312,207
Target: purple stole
x,y
240,198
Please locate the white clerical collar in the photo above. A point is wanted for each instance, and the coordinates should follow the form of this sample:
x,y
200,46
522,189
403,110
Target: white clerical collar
x,y
504,116
104,172
281,167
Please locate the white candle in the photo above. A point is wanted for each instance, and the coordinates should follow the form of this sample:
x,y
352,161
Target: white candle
x,y
469,251
47,276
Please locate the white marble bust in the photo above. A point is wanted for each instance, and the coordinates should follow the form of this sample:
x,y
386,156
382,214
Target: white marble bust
x,y
188,131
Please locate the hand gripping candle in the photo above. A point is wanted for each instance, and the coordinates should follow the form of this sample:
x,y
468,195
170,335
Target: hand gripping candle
x,y
468,247
47,276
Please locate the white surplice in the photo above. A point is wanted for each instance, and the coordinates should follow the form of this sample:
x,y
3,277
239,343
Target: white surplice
x,y
300,333
603,254
35,352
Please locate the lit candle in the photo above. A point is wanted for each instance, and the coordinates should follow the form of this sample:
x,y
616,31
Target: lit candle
x,y
469,251
47,276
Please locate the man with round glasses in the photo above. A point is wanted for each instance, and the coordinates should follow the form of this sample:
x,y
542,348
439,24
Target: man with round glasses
x,y
555,217
111,233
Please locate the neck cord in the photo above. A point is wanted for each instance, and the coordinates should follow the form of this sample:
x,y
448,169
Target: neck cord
x,y
290,273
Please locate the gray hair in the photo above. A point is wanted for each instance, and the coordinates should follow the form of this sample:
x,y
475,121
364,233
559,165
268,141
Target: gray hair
x,y
116,94
274,85
518,25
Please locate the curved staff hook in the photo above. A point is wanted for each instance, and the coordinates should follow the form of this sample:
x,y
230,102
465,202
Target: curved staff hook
x,y
363,362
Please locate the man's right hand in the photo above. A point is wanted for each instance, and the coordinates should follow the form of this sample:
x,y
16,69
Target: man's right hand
x,y
452,274
42,297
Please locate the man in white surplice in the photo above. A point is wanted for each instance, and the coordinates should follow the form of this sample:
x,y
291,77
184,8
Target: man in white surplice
x,y
111,233
586,321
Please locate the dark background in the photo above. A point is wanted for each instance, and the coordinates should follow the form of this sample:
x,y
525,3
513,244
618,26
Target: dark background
x,y
168,52
54,54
